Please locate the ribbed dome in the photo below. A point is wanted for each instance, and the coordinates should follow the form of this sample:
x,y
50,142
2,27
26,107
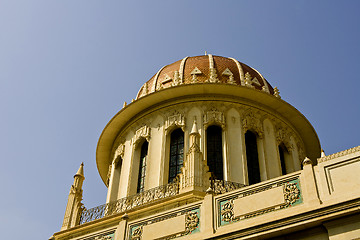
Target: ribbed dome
x,y
205,69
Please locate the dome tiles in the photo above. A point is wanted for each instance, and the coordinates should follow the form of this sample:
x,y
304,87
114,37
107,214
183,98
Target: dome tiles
x,y
206,69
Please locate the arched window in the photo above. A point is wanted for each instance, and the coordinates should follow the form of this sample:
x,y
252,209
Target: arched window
x,y
285,160
142,167
282,160
252,158
214,151
176,153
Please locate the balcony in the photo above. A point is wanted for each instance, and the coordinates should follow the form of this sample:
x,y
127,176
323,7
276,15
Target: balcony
x,y
147,197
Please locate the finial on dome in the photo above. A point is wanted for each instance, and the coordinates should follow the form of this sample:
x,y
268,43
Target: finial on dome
x,y
124,105
205,53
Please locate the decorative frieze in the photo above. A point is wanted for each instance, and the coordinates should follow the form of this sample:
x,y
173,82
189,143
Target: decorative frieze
x,y
246,205
339,154
169,226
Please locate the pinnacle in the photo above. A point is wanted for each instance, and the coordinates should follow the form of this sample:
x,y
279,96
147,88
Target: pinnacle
x,y
80,172
194,129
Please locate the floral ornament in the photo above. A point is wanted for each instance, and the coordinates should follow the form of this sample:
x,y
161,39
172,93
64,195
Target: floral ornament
x,y
191,222
291,193
227,211
137,233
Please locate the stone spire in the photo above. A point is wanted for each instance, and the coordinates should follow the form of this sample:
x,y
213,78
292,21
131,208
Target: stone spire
x,y
74,205
195,173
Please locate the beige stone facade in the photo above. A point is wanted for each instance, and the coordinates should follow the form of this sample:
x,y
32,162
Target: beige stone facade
x,y
166,180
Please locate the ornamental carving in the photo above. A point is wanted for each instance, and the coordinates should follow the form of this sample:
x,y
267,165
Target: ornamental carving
x,y
227,212
228,73
144,90
143,132
276,92
339,154
283,135
222,186
213,76
108,176
137,233
176,119
108,237
291,193
176,80
194,74
214,117
120,150
251,121
248,80
128,203
191,222
289,188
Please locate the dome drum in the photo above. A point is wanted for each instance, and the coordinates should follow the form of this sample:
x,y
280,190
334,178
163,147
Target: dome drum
x,y
211,91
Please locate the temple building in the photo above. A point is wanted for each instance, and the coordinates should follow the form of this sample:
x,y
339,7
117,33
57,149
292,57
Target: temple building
x,y
209,150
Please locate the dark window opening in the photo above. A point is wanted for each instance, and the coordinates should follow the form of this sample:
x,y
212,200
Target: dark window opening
x,y
252,158
142,167
214,151
176,153
282,151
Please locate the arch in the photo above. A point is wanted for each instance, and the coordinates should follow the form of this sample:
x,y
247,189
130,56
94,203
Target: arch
x,y
142,167
214,151
252,157
285,159
114,179
176,154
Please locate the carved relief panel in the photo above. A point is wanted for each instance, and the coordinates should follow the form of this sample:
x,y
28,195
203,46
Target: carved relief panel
x,y
142,132
251,120
214,116
175,119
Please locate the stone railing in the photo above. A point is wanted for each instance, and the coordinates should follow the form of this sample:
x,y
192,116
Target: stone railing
x,y
129,203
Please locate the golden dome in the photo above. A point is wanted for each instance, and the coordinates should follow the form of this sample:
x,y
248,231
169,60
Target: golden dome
x,y
205,69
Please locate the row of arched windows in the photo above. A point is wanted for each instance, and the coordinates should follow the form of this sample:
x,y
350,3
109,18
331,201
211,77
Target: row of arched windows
x,y
214,151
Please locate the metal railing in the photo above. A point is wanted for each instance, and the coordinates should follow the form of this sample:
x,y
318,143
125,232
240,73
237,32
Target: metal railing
x,y
222,186
129,203
152,195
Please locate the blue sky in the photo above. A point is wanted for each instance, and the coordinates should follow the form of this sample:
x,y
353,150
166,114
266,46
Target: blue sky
x,y
66,67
